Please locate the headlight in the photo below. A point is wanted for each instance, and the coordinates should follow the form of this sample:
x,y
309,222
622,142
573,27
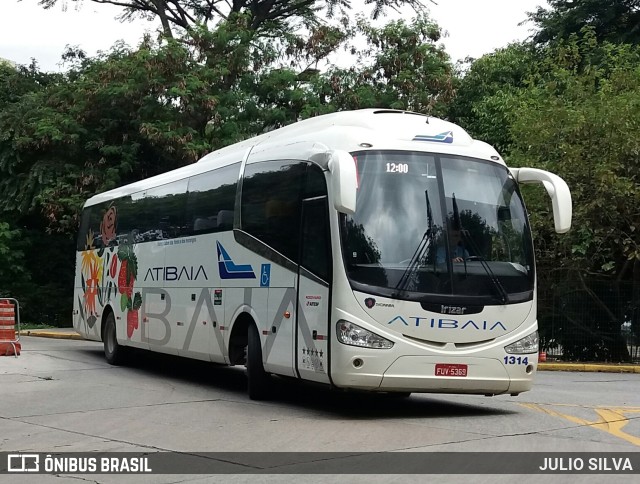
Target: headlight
x,y
352,334
528,344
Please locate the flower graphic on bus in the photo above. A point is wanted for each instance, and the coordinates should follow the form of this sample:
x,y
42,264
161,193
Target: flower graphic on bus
x,y
107,271
108,225
126,279
91,273
91,283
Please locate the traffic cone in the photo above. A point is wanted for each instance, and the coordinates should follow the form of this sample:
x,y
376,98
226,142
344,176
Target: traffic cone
x,y
9,345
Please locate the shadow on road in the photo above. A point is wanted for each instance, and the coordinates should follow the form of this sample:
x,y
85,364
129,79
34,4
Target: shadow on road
x,y
318,398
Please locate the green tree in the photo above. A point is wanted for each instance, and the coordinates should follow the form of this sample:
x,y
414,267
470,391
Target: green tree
x,y
484,93
130,114
31,259
187,14
12,268
579,117
400,67
616,21
103,123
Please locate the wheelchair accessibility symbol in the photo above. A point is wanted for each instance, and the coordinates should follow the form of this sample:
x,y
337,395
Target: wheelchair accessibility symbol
x,y
265,275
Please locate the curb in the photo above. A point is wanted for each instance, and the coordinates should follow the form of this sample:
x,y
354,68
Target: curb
x,y
590,367
43,333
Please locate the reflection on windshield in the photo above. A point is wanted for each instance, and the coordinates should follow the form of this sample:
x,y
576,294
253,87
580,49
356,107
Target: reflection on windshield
x,y
431,225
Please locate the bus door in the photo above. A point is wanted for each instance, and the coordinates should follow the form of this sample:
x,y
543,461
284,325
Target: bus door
x,y
314,274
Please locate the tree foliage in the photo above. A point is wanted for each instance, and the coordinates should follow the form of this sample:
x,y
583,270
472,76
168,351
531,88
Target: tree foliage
x,y
483,96
580,119
132,113
616,21
188,14
571,107
104,123
579,116
12,268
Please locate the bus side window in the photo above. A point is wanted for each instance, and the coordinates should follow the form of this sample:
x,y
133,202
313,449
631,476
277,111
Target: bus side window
x,y
271,197
225,220
85,226
315,238
211,198
316,248
165,207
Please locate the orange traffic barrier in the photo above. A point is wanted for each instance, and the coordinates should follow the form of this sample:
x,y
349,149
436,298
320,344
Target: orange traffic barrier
x,y
9,344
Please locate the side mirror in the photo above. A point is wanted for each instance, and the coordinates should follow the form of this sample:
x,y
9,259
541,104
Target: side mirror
x,y
556,188
343,181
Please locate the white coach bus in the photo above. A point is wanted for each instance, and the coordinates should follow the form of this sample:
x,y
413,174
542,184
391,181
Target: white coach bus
x,y
374,250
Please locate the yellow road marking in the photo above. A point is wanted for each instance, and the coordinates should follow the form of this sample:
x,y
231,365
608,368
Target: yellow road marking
x,y
610,419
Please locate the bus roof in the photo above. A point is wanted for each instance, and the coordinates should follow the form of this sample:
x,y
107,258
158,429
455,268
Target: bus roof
x,y
347,130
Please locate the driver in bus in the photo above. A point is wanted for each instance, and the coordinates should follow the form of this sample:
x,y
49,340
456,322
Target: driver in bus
x,y
456,248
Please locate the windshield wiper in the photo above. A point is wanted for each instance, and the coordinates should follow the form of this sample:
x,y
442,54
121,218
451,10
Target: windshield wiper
x,y
502,292
421,250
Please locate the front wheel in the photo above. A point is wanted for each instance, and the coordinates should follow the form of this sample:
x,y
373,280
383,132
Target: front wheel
x,y
259,380
113,352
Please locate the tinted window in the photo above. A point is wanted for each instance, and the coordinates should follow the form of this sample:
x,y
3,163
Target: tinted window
x,y
316,253
85,224
211,200
160,213
271,195
155,214
126,219
105,224
430,225
315,238
316,183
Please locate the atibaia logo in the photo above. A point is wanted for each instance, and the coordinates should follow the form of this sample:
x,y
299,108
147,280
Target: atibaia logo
x,y
230,270
446,137
444,323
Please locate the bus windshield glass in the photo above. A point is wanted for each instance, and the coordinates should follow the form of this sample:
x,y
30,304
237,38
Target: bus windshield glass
x,y
437,228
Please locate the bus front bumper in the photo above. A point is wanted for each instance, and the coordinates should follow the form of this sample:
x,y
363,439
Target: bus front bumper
x,y
484,376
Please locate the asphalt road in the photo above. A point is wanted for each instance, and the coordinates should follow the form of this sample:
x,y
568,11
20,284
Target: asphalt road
x,y
61,396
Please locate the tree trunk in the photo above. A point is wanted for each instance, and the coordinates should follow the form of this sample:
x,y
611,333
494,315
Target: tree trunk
x,y
162,13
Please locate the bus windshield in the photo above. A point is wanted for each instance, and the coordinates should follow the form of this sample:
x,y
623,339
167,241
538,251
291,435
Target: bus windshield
x,y
437,228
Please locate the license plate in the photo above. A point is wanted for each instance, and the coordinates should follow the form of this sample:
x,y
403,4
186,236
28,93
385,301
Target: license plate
x,y
444,369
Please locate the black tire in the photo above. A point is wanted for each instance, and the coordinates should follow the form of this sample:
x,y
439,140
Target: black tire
x,y
259,380
113,352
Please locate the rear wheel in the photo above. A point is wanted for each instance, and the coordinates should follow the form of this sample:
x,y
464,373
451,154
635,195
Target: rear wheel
x,y
113,352
259,380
